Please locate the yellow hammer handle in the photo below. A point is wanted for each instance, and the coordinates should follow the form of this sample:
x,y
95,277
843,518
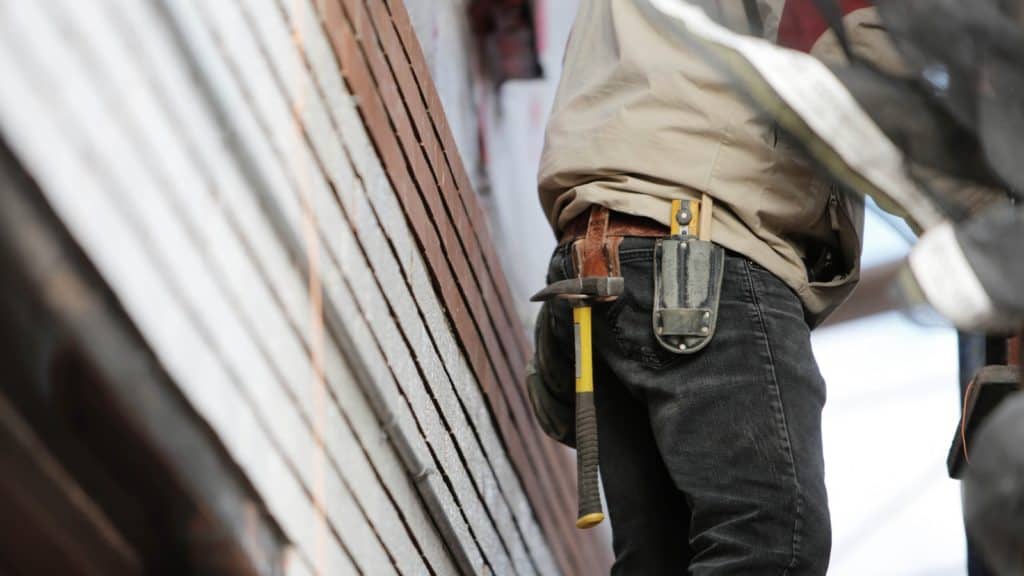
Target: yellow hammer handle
x,y
591,512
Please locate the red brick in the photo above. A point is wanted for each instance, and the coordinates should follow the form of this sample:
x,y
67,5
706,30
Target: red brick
x,y
477,338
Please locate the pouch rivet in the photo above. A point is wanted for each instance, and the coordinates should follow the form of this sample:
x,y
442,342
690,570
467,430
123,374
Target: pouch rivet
x,y
682,346
703,329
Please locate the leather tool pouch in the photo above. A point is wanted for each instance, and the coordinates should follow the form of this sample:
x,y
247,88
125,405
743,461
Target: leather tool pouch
x,y
687,287
550,380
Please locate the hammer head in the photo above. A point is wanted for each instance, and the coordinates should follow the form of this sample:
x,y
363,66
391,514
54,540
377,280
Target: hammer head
x,y
590,288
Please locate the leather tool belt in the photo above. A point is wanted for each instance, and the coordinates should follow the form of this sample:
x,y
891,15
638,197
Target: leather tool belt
x,y
688,268
596,235
688,277
619,224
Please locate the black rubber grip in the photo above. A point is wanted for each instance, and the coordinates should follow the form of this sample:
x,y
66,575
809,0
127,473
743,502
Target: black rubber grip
x,y
588,489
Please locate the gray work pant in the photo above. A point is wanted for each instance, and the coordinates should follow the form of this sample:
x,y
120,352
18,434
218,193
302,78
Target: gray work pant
x,y
711,463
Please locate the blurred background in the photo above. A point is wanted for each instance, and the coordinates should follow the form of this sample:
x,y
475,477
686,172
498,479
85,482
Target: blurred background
x,y
893,402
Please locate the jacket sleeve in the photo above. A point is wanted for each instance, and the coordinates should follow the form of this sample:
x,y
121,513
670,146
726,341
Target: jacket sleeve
x,y
801,26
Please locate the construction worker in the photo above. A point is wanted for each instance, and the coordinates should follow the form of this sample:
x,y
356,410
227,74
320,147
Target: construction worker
x,y
710,437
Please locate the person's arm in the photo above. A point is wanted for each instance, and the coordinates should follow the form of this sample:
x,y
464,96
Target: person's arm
x,y
966,275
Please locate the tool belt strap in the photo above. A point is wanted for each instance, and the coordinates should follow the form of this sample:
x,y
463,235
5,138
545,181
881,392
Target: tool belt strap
x,y
595,253
598,231
619,224
591,251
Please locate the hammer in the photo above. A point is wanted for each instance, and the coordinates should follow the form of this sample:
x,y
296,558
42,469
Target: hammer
x,y
581,291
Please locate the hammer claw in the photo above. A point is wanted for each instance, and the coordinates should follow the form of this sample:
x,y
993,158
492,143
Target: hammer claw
x,y
598,287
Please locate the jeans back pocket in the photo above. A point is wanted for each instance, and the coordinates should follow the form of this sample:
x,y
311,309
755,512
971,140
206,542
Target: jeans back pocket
x,y
629,317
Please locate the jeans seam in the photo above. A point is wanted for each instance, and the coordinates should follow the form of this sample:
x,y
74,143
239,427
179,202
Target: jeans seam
x,y
781,415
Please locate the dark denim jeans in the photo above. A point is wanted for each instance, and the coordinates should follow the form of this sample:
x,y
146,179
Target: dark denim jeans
x,y
711,463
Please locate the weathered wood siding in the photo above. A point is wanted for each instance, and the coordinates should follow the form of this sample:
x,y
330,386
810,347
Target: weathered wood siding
x,y
271,190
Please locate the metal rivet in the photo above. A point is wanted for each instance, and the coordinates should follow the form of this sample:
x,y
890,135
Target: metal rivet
x,y
707,315
684,217
703,329
660,330
682,346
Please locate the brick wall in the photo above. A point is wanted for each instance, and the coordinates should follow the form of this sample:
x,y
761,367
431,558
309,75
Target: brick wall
x,y
272,191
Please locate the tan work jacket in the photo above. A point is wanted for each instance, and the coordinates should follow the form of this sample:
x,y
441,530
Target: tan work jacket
x,y
639,120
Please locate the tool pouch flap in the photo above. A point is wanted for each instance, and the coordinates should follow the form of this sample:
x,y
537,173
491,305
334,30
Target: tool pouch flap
x,y
687,286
